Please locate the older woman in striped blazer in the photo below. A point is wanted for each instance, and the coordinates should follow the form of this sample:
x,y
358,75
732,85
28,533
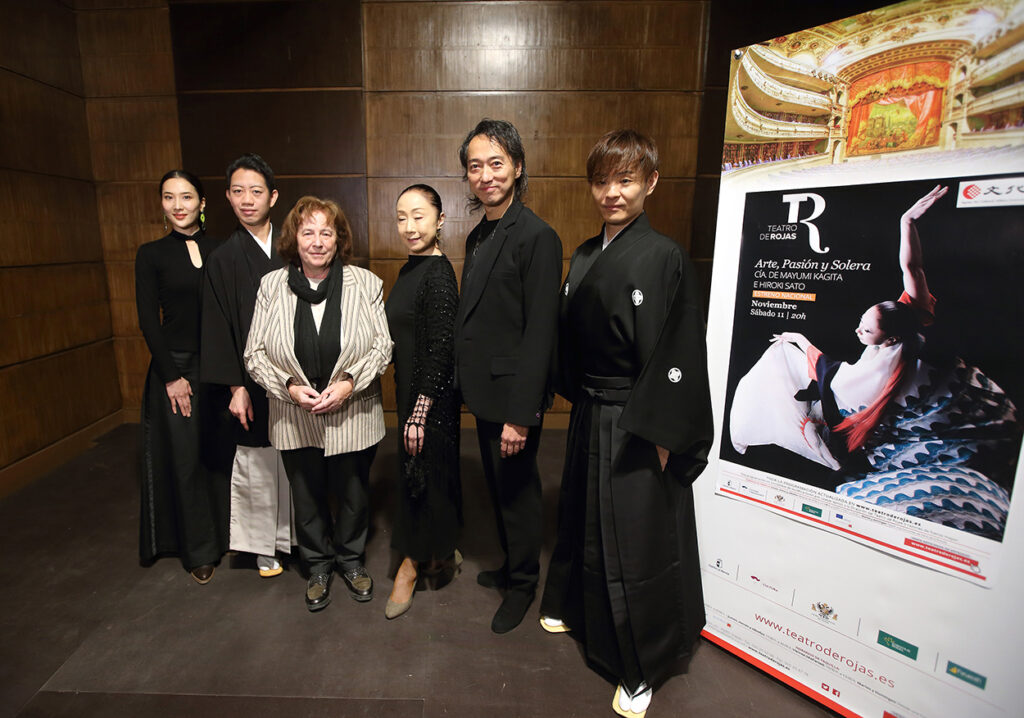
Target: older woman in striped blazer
x,y
318,344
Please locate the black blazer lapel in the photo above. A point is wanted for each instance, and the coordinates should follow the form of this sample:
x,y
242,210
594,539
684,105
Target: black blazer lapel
x,y
488,253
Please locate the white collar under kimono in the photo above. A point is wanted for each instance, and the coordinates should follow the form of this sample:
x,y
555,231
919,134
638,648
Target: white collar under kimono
x,y
267,245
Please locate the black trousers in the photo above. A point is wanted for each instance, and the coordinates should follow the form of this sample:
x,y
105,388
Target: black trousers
x,y
184,507
326,541
515,489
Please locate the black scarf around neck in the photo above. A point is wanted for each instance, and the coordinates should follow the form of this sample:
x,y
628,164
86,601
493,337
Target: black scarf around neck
x,y
317,352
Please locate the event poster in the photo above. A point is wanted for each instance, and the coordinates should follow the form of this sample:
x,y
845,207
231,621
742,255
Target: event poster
x,y
861,534
932,483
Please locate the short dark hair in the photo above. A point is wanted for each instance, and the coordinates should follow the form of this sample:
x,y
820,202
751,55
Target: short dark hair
x,y
188,177
507,137
622,150
252,161
288,245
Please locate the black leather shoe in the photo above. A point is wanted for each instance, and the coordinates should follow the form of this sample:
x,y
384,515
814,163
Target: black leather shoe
x,y
511,611
495,578
318,591
202,574
360,585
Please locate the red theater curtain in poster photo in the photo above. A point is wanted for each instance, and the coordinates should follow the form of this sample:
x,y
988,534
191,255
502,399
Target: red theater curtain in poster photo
x,y
897,109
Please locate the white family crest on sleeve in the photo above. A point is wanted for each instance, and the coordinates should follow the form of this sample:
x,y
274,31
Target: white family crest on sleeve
x,y
674,375
565,290
638,297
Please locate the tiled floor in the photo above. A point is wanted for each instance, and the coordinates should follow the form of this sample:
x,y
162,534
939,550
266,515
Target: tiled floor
x,y
88,632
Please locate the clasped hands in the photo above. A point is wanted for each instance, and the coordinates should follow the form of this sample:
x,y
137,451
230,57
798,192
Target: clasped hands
x,y
322,402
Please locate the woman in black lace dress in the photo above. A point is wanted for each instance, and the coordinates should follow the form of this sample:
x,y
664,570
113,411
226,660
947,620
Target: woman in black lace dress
x,y
421,314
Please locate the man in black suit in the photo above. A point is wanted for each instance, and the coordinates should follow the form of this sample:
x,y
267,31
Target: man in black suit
x,y
505,334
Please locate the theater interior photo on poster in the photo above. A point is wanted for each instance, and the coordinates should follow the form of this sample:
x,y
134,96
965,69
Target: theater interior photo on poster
x,y
941,75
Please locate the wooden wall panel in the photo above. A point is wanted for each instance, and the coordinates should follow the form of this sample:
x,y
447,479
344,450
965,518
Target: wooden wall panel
x,y
133,138
126,52
130,215
48,399
298,133
57,369
115,4
533,46
132,365
233,46
46,220
563,72
44,310
133,130
121,283
46,134
51,62
418,134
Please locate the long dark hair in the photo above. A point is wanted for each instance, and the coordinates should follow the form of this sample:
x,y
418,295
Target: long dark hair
x,y
899,322
508,139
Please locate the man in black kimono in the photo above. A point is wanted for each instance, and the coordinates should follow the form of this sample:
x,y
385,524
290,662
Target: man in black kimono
x,y
624,578
504,338
260,500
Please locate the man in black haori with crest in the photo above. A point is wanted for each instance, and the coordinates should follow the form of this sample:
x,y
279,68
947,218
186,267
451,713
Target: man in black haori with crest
x,y
624,578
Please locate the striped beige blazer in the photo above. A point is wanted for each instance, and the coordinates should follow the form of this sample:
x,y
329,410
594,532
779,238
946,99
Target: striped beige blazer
x,y
365,353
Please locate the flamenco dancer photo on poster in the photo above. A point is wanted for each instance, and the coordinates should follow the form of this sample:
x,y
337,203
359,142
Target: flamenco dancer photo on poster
x,y
901,427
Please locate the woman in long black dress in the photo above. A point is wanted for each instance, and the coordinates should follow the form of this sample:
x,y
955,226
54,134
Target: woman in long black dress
x,y
421,315
183,508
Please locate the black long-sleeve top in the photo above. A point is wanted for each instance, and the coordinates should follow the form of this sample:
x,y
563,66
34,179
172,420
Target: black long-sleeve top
x,y
168,293
421,314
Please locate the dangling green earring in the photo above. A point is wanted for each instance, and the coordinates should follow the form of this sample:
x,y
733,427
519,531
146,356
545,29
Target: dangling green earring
x,y
202,220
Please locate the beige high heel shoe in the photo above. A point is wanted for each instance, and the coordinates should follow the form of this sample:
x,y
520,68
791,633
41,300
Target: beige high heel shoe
x,y
394,609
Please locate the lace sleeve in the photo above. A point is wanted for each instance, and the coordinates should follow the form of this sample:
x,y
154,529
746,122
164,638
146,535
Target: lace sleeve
x,y
437,300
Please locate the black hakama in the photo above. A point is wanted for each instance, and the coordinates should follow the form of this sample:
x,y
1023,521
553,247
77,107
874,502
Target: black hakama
x,y
625,574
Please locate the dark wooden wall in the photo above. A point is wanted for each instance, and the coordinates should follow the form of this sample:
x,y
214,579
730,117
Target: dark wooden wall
x,y
382,94
132,111
58,372
284,80
346,99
